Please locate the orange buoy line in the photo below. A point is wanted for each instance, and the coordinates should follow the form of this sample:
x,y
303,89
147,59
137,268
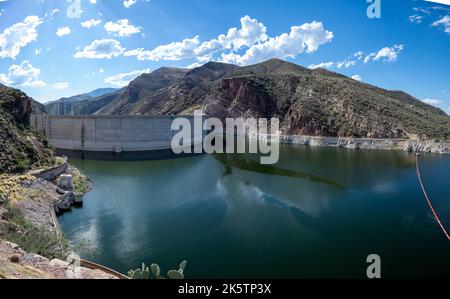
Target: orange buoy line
x,y
428,200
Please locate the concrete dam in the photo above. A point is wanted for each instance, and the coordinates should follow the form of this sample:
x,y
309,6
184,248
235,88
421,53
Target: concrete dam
x,y
106,137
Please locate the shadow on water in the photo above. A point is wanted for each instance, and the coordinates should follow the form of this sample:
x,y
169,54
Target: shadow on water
x,y
299,215
243,163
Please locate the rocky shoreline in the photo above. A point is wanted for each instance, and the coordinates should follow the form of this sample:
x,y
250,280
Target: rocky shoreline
x,y
428,146
16,263
28,218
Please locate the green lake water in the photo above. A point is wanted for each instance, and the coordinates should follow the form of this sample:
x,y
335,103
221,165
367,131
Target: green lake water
x,y
318,213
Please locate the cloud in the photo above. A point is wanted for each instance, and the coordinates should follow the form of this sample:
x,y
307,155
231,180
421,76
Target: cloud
x,y
23,75
305,38
128,3
432,102
123,79
101,49
90,23
194,65
251,32
386,54
346,63
443,22
173,51
322,65
252,35
338,64
121,28
357,77
445,2
61,85
63,31
359,55
14,38
417,19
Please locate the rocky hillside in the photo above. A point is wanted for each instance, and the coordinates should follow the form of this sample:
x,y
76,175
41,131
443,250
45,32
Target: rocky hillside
x,y
308,102
147,86
20,146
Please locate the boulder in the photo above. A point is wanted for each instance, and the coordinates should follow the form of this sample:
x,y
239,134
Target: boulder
x,y
65,182
4,214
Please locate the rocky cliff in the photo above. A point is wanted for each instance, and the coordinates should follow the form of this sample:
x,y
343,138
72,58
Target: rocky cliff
x,y
20,146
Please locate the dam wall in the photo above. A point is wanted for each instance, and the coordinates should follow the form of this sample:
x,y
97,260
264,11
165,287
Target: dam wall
x,y
101,133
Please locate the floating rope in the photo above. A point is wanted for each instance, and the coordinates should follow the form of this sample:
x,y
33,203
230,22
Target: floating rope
x,y
428,200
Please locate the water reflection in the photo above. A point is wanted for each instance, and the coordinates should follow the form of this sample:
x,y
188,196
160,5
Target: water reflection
x,y
245,163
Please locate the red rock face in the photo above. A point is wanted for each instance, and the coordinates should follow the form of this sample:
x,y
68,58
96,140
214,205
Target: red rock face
x,y
239,97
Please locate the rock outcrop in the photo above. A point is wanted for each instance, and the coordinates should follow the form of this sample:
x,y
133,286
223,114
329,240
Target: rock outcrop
x,y
427,146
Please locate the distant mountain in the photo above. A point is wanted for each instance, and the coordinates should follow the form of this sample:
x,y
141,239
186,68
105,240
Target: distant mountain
x,y
66,105
309,102
101,91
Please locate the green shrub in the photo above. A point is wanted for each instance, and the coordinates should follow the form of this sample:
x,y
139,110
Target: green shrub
x,y
32,238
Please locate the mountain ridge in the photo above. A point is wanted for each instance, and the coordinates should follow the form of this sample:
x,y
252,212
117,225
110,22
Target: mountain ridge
x,y
60,106
308,102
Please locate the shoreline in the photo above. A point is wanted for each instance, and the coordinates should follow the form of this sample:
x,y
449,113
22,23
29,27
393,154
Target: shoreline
x,y
35,198
406,145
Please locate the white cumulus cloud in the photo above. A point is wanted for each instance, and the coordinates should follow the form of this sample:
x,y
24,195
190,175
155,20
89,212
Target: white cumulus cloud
x,y
63,31
101,49
172,51
386,54
90,23
22,75
252,36
357,77
128,3
443,22
14,38
121,28
123,79
432,102
305,38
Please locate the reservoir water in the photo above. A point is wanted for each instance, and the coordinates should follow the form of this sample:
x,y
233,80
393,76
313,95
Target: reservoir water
x,y
318,213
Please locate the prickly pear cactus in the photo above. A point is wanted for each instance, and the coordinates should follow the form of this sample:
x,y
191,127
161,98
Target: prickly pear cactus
x,y
174,274
183,266
143,273
156,270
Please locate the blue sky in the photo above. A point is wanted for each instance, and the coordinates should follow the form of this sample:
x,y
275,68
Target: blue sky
x,y
50,50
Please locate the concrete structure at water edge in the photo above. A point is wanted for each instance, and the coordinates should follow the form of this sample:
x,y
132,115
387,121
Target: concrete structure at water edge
x,y
108,137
